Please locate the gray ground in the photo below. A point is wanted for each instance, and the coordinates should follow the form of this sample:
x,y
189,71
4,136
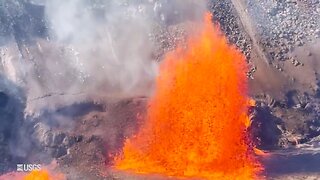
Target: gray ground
x,y
279,38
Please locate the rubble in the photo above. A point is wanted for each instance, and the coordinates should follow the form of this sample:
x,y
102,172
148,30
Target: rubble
x,y
225,14
284,25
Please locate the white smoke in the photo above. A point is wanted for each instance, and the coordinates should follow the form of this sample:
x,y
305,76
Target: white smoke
x,y
95,50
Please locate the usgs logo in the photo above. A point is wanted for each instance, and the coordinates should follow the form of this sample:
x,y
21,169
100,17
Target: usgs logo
x,y
28,167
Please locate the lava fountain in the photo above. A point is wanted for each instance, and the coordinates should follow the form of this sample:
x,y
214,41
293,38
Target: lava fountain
x,y
197,119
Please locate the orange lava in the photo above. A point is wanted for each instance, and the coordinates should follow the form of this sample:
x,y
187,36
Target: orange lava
x,y
43,175
196,121
37,175
260,152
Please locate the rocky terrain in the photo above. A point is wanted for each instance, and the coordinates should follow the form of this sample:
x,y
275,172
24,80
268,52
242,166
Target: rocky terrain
x,y
284,26
283,29
279,38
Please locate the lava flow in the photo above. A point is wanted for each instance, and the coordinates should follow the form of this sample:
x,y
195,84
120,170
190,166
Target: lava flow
x,y
43,175
197,118
37,175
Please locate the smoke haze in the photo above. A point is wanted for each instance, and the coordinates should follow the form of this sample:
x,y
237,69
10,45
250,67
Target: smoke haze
x,y
94,49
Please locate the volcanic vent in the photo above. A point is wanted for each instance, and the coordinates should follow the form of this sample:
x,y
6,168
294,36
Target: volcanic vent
x,y
197,118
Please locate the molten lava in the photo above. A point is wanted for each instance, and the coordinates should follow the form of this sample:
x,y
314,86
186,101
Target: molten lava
x,y
197,118
37,175
43,175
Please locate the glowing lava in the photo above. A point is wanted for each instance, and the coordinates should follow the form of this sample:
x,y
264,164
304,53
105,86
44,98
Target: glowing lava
x,y
43,175
197,118
37,175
